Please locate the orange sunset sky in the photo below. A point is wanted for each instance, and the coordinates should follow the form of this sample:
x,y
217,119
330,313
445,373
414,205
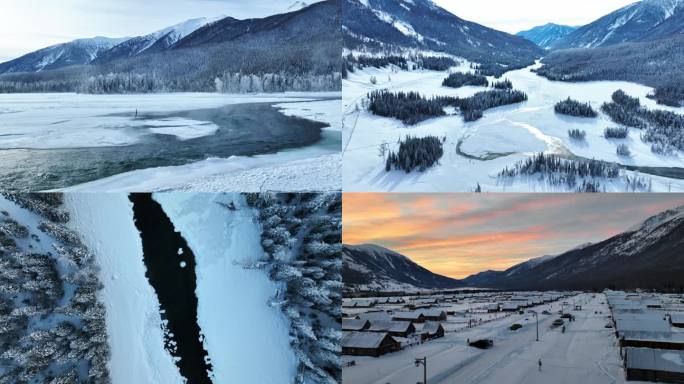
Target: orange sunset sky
x,y
461,234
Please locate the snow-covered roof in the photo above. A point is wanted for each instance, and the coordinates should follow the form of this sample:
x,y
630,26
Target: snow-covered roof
x,y
654,359
389,326
431,327
433,313
509,306
363,339
415,315
669,337
677,318
353,324
374,316
649,321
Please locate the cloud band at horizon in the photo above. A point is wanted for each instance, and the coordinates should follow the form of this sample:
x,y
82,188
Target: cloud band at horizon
x,y
457,235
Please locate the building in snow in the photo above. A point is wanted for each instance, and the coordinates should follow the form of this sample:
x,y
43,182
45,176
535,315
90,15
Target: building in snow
x,y
414,316
368,344
434,315
509,307
677,320
657,365
355,325
394,328
432,330
654,340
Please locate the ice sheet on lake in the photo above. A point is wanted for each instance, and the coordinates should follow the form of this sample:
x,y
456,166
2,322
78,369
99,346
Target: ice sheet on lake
x,y
44,121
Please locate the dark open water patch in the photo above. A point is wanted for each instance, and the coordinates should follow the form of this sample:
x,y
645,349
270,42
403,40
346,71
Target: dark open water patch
x,y
244,130
175,285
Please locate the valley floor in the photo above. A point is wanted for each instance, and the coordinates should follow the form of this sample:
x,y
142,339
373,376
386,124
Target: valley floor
x,y
476,152
586,353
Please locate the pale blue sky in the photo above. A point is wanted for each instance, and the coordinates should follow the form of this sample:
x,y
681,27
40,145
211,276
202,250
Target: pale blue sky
x,y
28,25
515,16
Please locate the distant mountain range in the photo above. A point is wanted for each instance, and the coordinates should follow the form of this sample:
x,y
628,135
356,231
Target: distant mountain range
x,y
421,24
547,35
77,52
371,267
159,41
646,20
649,255
302,47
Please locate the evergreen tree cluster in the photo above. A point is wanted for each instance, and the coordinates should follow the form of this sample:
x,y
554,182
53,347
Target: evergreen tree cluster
x,y
409,107
623,150
572,107
416,154
406,62
659,64
472,106
671,95
664,130
503,84
460,79
577,134
53,326
616,132
574,175
302,241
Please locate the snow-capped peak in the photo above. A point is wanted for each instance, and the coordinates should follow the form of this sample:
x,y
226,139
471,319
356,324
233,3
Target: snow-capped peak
x,y
179,31
296,6
668,6
657,220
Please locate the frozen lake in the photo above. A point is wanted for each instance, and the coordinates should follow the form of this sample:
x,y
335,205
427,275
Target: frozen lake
x,y
53,141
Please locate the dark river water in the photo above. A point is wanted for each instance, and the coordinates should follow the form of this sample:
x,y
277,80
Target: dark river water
x,y
244,130
175,285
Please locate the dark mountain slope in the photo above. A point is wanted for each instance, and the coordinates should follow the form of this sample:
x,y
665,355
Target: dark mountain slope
x,y
648,256
374,267
387,24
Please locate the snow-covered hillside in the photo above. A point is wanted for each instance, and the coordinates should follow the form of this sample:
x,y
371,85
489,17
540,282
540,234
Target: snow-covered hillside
x,y
547,35
639,21
77,52
156,41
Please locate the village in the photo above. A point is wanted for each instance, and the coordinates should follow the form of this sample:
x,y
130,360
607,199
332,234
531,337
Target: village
x,y
513,337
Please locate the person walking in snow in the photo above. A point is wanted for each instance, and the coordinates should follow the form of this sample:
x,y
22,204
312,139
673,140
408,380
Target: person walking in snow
x,y
539,365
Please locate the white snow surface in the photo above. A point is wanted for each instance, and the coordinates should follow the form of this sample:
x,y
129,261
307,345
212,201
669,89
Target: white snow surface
x,y
247,341
314,168
586,353
44,121
134,325
502,137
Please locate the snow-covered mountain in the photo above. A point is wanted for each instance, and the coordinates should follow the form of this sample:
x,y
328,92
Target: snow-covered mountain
x,y
421,24
155,42
649,255
642,21
296,6
77,52
547,35
371,267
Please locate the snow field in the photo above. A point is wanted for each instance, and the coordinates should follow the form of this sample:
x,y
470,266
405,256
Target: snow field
x,y
585,353
504,136
134,325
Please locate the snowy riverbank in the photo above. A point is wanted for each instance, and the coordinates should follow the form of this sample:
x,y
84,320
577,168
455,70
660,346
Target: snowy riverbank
x,y
316,167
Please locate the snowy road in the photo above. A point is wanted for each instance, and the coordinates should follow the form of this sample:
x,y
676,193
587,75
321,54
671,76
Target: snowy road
x,y
586,353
